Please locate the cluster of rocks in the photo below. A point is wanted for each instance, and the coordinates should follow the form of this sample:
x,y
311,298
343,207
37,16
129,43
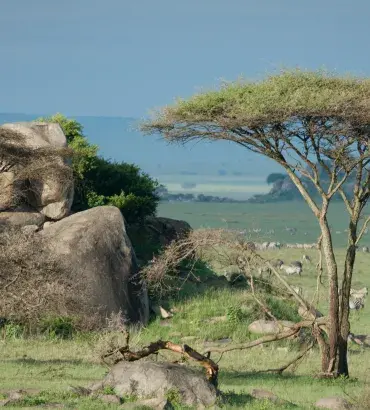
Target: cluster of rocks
x,y
93,246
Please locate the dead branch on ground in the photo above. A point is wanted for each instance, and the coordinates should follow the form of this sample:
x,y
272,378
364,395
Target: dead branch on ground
x,y
153,348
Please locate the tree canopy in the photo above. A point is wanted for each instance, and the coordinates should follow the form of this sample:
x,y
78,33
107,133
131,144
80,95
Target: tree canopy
x,y
275,176
300,119
315,125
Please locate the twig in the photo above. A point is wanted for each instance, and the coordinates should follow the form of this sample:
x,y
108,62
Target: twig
x,y
263,306
272,338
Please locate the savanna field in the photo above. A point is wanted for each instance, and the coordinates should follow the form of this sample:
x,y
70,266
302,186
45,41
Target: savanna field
x,y
208,317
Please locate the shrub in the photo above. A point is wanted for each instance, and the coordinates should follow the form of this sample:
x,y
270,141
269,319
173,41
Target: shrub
x,y
58,327
122,185
34,285
99,181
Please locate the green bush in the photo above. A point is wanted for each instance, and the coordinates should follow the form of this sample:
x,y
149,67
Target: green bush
x,y
14,330
58,327
99,181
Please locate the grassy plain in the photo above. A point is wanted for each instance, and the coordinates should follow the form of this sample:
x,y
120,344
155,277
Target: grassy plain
x,y
204,317
267,217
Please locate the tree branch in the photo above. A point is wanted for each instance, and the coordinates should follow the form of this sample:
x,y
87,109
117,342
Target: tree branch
x,y
280,370
362,231
185,350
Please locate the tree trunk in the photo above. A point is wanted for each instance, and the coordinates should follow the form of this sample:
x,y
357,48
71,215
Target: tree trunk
x,y
342,366
332,269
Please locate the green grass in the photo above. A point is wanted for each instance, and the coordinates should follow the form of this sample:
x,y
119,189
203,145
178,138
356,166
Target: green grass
x,y
203,317
275,216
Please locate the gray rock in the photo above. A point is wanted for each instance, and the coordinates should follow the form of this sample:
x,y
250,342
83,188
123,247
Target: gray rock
x,y
146,379
334,403
109,398
260,394
22,216
96,254
51,194
266,327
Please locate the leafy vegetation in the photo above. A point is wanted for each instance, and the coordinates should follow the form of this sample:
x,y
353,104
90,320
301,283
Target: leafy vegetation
x,y
271,178
102,182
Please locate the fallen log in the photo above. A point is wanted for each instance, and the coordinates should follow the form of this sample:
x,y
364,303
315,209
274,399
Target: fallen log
x,y
153,348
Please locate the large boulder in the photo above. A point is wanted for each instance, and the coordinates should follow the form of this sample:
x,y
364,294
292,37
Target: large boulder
x,y
96,253
154,233
147,379
51,193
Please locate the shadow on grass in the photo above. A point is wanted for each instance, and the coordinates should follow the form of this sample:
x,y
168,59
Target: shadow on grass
x,y
236,399
244,400
239,378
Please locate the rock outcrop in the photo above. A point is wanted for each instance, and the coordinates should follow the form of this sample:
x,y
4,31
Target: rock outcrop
x,y
50,192
147,379
96,253
154,233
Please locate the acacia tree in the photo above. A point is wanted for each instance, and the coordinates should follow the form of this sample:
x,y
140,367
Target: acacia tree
x,y
306,122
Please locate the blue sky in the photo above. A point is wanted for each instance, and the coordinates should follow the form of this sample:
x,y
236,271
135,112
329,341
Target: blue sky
x,y
124,57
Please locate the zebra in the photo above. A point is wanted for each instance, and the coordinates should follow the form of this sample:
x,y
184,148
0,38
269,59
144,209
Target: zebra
x,y
356,303
292,269
275,263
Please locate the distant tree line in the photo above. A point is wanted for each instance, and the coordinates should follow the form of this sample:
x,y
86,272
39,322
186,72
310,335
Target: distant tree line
x,y
165,196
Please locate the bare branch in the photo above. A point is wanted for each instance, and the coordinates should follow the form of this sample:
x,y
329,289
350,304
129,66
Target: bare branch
x,y
362,230
280,370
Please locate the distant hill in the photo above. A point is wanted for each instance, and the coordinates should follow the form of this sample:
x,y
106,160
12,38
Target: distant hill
x,y
119,139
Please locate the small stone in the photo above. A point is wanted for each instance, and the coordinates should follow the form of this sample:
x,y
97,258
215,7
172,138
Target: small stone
x,y
260,394
334,403
160,311
109,398
164,313
15,395
263,395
